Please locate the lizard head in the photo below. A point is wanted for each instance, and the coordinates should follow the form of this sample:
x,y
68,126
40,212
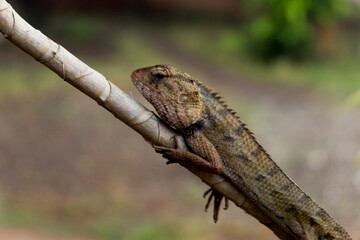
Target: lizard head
x,y
174,94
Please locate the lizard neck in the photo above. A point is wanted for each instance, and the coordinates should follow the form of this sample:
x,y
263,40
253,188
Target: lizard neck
x,y
194,128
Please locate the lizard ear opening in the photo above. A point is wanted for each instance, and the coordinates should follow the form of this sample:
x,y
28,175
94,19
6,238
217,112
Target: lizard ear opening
x,y
191,108
183,111
183,98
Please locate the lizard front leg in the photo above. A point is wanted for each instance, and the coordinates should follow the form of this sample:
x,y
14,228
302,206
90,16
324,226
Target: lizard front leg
x,y
186,159
206,159
205,156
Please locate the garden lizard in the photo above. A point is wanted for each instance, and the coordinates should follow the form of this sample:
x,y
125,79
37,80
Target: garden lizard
x,y
222,144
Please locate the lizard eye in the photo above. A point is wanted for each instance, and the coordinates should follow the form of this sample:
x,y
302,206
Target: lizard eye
x,y
183,98
159,76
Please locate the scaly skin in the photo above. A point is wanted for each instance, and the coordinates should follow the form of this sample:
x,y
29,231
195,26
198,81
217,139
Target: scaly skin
x,y
222,144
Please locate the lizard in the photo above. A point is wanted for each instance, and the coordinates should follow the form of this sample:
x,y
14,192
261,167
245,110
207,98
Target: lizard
x,y
221,143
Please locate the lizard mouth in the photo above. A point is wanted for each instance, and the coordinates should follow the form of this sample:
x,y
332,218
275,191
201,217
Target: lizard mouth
x,y
142,85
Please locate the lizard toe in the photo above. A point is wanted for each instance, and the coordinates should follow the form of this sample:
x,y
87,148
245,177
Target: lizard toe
x,y
217,202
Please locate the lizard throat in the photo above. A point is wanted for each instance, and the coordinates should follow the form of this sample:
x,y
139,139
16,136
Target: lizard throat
x,y
194,128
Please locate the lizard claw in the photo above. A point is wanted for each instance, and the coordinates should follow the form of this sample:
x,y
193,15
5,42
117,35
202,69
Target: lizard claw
x,y
226,203
217,202
167,153
209,199
162,150
170,162
159,149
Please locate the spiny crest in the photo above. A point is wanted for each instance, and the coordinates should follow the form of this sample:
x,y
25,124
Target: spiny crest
x,y
216,95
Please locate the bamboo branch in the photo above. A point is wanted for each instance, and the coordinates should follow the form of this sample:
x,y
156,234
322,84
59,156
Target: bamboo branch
x,y
106,94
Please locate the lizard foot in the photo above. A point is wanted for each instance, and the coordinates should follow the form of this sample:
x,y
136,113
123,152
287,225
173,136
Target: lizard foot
x,y
185,159
217,202
171,154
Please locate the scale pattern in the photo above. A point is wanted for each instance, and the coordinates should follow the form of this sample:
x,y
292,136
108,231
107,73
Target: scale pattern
x,y
215,133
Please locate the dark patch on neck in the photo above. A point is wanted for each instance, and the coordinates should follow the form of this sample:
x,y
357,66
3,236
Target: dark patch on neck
x,y
260,178
193,128
291,210
210,117
229,139
313,223
274,193
327,236
243,157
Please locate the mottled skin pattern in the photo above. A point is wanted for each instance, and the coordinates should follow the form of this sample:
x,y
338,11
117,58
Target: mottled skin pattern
x,y
222,144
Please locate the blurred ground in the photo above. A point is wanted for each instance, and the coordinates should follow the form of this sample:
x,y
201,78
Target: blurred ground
x,y
69,167
16,234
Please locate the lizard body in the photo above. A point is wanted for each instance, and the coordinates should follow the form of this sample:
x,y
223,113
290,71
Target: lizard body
x,y
222,144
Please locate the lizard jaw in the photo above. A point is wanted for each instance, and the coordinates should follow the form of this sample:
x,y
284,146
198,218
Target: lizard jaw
x,y
140,83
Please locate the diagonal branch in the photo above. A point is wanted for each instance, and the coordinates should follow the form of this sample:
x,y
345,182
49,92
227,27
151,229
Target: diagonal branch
x,y
106,94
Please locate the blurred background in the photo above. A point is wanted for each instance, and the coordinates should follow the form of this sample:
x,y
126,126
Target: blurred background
x,y
70,171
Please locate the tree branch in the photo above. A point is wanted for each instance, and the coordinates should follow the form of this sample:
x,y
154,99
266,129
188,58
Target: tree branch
x,y
106,94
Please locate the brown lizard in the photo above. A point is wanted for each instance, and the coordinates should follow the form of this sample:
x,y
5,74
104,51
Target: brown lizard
x,y
221,143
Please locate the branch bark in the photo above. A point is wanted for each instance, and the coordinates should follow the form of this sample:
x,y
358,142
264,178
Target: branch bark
x,y
109,96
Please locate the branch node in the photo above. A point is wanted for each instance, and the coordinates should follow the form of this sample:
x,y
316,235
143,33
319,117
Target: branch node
x,y
54,53
158,132
14,22
84,75
219,181
5,8
11,32
104,96
63,70
141,118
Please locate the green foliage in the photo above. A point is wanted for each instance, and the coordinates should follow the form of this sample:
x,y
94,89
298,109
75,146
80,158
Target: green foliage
x,y
107,228
287,27
353,101
231,41
152,231
23,216
338,75
79,28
